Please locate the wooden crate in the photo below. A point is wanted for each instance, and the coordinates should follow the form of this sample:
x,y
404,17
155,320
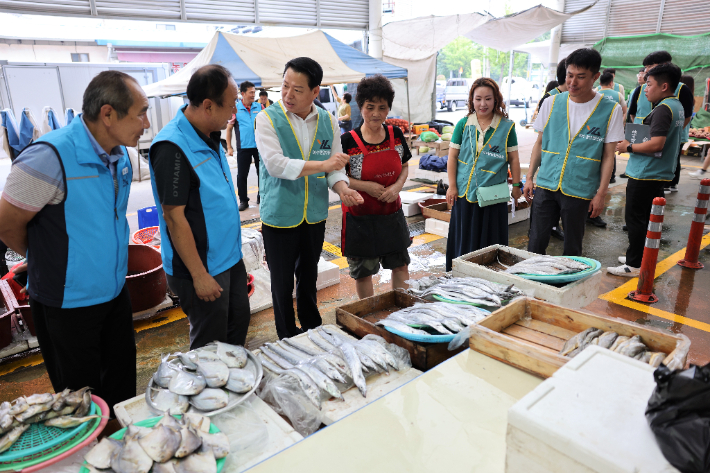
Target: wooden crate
x,y
360,317
529,334
440,211
440,148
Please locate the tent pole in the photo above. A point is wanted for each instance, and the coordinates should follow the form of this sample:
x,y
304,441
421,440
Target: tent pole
x,y
409,114
510,77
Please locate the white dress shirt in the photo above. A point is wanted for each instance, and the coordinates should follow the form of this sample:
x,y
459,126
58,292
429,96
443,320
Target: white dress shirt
x,y
283,167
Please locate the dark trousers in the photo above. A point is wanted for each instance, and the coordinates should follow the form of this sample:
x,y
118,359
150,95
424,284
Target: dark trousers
x,y
292,251
473,227
89,346
244,158
547,210
226,319
639,200
676,177
613,171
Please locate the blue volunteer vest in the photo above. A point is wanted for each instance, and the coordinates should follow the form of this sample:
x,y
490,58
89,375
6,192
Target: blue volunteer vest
x,y
245,119
647,168
644,107
286,203
217,197
484,166
572,164
78,249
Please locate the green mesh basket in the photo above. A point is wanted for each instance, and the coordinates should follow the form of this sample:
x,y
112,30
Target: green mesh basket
x,y
39,443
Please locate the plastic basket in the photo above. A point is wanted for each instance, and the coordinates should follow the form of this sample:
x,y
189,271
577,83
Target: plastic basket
x,y
144,235
151,423
594,266
423,338
41,443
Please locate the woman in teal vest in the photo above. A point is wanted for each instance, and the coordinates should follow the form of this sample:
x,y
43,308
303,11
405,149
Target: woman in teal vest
x,y
483,146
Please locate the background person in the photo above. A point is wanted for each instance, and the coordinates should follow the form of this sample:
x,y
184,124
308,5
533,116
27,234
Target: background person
x,y
608,90
483,146
702,172
616,87
65,203
344,110
578,132
378,171
301,156
264,99
689,83
641,80
199,222
243,126
651,164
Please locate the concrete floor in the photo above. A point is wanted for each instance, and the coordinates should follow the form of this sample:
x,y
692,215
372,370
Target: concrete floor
x,y
683,293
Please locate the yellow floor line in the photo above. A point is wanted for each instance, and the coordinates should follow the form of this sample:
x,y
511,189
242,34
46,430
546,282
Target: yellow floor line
x,y
619,295
33,360
169,316
331,248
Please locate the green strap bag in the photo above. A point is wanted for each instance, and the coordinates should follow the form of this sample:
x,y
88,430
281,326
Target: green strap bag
x,y
493,194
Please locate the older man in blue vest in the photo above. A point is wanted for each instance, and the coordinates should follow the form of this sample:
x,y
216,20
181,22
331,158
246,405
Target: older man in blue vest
x,y
202,243
64,206
575,148
301,157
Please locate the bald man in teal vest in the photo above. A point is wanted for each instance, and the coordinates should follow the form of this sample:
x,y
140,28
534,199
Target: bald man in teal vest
x,y
301,157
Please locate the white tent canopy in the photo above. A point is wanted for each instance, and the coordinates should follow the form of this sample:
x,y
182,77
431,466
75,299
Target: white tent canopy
x,y
417,52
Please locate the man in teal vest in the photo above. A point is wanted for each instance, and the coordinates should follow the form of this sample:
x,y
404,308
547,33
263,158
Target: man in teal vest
x,y
301,157
608,90
652,163
64,207
578,132
200,225
615,86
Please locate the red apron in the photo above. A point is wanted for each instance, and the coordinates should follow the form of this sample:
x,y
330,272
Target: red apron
x,y
383,167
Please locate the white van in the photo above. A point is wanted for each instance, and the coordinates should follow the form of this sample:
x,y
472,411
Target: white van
x,y
457,93
522,92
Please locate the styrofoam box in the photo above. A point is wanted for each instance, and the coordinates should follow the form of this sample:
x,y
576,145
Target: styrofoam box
x,y
587,418
410,202
573,295
436,227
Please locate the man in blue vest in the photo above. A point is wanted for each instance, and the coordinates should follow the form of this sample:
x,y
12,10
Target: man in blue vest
x,y
243,128
578,132
609,90
301,157
652,163
64,206
202,243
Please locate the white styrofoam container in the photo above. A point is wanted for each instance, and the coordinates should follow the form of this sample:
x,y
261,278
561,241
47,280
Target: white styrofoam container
x,y
587,418
520,215
573,295
436,227
410,202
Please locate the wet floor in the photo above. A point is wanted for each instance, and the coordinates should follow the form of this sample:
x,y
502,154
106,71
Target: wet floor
x,y
683,305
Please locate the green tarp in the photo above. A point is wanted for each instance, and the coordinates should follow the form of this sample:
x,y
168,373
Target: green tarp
x,y
626,54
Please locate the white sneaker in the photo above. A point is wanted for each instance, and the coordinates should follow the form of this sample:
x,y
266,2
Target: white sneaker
x,y
624,270
667,191
622,259
699,174
673,189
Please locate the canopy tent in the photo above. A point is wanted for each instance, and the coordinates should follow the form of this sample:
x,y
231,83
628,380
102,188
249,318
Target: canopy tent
x,y
261,60
540,51
417,52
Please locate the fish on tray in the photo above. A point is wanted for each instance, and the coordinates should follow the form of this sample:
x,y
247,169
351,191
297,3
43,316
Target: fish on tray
x,y
632,347
547,266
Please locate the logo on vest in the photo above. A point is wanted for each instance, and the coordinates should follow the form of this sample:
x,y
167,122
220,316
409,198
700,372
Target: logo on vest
x,y
324,144
593,133
494,152
494,149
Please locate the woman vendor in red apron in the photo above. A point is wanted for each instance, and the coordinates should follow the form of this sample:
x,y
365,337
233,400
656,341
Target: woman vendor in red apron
x,y
375,232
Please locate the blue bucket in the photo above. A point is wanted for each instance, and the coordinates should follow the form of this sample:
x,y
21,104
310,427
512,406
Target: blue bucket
x,y
148,217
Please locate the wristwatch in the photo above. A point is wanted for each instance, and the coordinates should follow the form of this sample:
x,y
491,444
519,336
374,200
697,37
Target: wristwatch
x,y
517,184
628,148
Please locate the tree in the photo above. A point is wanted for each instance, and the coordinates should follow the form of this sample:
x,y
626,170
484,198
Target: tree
x,y
456,55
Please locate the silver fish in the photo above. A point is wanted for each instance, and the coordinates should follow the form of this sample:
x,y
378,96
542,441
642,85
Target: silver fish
x,y
11,437
187,384
197,421
202,461
401,327
240,380
85,405
39,399
305,382
325,367
190,441
574,342
216,373
164,374
206,355
218,443
319,341
188,360
19,406
59,403
210,399
161,443
619,340
353,360
170,422
33,411
100,455
334,360
77,397
39,417
606,340
322,381
233,356
166,400
131,459
66,422
386,355
633,349
167,467
135,432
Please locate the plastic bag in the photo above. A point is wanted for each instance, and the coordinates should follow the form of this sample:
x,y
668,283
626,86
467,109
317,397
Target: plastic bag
x,y
676,360
460,339
285,396
678,413
246,432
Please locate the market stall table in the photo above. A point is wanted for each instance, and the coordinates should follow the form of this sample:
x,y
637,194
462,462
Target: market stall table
x,y
452,418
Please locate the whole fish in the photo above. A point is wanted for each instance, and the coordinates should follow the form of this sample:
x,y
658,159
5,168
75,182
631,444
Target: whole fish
x,y
131,459
67,422
321,364
33,411
353,360
188,360
100,456
164,374
161,443
60,402
386,355
319,341
202,461
190,441
619,340
633,349
365,359
240,381
167,467
39,399
210,399
19,406
321,380
400,327
331,358
656,359
5,408
233,356
305,382
633,340
135,432
197,421
218,443
7,440
646,357
575,342
6,421
216,373
85,405
206,355
607,339
166,400
77,397
187,384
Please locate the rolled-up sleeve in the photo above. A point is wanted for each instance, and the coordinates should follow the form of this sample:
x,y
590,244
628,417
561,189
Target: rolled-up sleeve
x,y
339,175
270,152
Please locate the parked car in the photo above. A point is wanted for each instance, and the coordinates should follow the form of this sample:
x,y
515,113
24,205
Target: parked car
x,y
456,93
522,91
440,94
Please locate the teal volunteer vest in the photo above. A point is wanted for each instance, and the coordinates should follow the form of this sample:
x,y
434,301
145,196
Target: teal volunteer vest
x,y
286,203
572,164
612,95
647,168
644,107
485,166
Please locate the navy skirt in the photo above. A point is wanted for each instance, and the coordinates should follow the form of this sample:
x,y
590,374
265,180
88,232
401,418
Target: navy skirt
x,y
473,227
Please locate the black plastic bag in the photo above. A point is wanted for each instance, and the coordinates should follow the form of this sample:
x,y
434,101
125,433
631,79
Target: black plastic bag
x,y
679,415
